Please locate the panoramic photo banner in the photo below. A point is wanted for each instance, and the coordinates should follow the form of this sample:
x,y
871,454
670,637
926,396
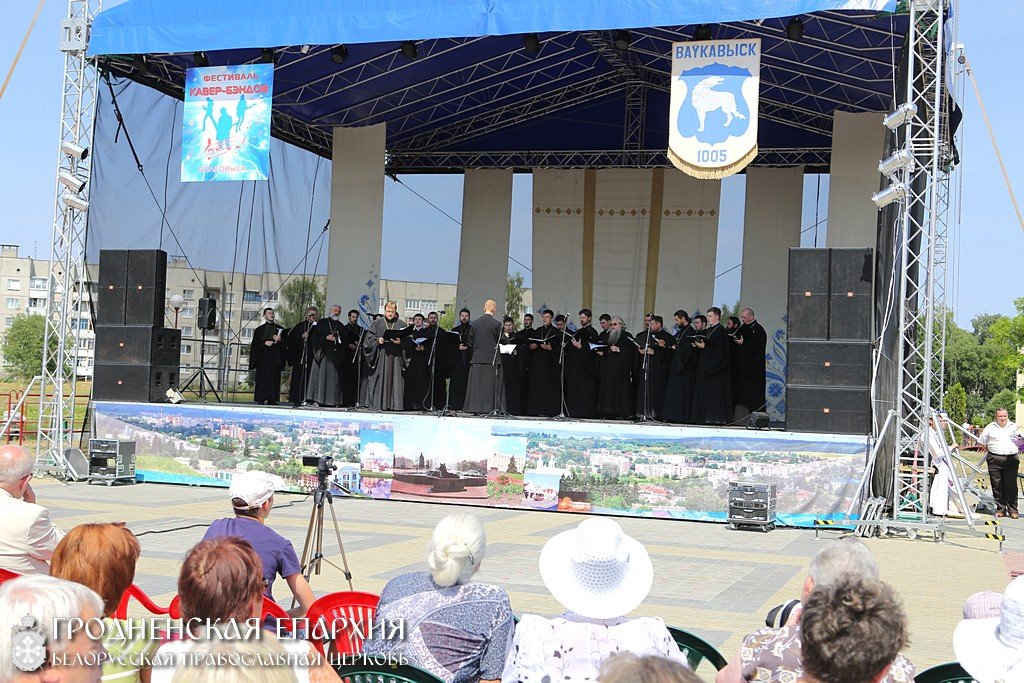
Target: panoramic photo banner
x,y
602,468
225,132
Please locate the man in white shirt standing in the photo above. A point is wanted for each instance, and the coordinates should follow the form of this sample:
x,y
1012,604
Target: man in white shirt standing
x,y
27,536
1003,462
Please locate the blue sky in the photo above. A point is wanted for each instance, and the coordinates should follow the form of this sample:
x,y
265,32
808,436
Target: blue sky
x,y
989,250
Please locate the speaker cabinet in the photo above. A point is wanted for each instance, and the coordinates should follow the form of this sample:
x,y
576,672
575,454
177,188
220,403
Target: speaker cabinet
x,y
207,314
808,271
832,410
807,315
138,345
828,363
139,383
112,281
146,287
849,317
852,271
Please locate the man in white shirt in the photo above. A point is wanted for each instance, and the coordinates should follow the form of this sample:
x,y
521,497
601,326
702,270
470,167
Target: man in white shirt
x,y
27,536
1003,462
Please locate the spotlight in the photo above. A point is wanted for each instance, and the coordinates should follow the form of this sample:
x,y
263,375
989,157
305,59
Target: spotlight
x,y
173,396
795,28
903,113
72,182
74,151
199,59
531,43
73,202
622,40
409,50
897,162
267,56
339,53
893,193
702,32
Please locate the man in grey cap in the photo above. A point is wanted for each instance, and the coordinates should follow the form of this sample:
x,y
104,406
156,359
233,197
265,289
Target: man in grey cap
x,y
252,497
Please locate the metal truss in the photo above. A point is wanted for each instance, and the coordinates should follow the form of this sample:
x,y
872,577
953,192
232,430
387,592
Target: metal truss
x,y
67,256
924,228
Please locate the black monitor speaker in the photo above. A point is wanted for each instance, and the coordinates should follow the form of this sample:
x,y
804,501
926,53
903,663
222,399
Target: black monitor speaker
x,y
207,314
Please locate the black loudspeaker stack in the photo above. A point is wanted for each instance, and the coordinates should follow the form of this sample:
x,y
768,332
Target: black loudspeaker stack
x,y
137,358
828,364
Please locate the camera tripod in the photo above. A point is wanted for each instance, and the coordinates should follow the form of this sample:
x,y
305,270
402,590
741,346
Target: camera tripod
x,y
312,548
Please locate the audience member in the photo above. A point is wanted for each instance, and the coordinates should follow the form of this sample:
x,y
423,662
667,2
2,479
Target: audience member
x,y
221,586
851,632
102,557
992,649
628,668
41,603
27,536
599,574
778,646
242,663
983,605
456,629
252,497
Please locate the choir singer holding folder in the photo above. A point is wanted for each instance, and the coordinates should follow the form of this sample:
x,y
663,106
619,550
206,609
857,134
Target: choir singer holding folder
x,y
485,389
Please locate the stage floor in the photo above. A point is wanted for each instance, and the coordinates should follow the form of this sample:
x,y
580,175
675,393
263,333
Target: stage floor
x,y
617,468
716,582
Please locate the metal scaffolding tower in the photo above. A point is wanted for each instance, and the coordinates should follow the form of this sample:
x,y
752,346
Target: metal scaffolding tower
x,y
67,255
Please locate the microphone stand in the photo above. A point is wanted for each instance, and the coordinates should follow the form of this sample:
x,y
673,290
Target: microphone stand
x,y
499,408
645,414
304,384
432,362
448,411
563,412
358,360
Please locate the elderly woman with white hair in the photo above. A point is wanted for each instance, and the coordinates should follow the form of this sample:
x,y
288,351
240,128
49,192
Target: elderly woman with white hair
x,y
456,629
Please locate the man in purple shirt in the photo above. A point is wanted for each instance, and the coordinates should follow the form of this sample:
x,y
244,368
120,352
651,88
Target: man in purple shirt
x,y
252,497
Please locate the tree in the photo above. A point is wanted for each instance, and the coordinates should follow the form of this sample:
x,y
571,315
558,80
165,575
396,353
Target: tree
x,y
512,466
729,311
955,403
448,316
297,295
1008,333
23,346
1006,398
514,296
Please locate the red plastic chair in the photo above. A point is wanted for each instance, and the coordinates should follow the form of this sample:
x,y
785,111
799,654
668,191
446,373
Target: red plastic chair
x,y
144,600
338,612
270,609
7,576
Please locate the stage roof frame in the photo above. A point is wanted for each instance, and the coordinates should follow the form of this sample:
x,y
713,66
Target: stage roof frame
x,y
483,101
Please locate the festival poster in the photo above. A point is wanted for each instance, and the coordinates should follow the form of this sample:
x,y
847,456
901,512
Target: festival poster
x,y
713,106
226,124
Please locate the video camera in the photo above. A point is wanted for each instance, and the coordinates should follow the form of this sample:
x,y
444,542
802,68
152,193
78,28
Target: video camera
x,y
324,465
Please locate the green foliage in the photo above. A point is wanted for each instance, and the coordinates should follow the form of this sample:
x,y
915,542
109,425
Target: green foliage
x,y
448,316
981,362
298,294
512,466
23,346
955,403
1006,398
729,311
514,296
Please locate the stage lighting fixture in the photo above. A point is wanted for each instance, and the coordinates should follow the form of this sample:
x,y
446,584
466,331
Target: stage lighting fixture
x,y
897,162
409,50
339,53
140,64
703,32
72,182
73,202
795,28
199,59
893,193
267,56
173,396
903,113
622,40
74,151
531,43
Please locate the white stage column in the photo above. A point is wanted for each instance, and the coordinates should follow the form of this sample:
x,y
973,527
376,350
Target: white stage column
x,y
772,215
559,216
483,250
689,244
357,218
858,142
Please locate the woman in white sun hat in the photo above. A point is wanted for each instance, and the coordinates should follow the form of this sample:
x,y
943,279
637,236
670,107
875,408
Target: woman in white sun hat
x,y
992,650
599,574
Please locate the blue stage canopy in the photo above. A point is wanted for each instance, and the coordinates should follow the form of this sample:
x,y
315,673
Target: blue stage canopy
x,y
474,97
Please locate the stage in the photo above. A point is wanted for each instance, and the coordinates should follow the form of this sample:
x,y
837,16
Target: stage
x,y
644,470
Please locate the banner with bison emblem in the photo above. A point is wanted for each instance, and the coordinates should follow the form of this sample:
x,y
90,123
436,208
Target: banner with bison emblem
x,y
713,111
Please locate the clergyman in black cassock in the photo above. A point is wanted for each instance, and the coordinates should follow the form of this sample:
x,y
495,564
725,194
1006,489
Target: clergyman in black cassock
x,y
581,370
267,357
752,341
385,385
300,356
732,328
545,399
486,389
353,363
655,346
712,396
458,365
615,366
525,365
682,369
325,376
437,365
511,367
417,374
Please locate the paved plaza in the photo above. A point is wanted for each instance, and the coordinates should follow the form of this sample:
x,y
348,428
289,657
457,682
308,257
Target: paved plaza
x,y
712,581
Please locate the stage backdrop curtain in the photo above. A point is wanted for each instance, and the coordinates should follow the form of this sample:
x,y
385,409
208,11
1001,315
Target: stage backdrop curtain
x,y
558,215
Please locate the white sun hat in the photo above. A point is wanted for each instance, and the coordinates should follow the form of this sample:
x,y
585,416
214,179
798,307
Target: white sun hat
x,y
992,650
597,571
254,487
